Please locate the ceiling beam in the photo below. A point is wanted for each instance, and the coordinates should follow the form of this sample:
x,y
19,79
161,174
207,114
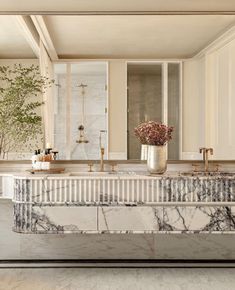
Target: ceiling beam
x,y
45,37
28,30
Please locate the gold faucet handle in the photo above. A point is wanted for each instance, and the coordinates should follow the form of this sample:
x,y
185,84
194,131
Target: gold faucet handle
x,y
195,167
211,151
113,166
90,167
216,167
202,149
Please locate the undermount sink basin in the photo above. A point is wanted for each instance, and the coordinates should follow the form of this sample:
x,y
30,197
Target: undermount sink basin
x,y
208,174
98,173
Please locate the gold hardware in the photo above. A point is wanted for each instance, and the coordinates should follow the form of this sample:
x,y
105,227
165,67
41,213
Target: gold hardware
x,y
205,152
113,166
195,167
102,159
101,151
216,166
90,167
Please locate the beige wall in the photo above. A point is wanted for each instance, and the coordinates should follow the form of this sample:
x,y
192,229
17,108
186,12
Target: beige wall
x,y
220,93
117,109
209,101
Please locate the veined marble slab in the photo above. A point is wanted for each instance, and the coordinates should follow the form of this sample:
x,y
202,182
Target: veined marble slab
x,y
63,219
199,219
72,219
137,219
124,203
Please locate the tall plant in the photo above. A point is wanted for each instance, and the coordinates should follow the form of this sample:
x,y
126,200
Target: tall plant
x,y
20,97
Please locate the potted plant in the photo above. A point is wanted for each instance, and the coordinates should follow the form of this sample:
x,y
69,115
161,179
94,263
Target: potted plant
x,y
20,101
155,135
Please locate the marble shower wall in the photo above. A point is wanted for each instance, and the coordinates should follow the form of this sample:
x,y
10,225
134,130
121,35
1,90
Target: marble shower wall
x,y
95,115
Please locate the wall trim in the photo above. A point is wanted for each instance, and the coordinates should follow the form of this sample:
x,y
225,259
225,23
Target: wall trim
x,y
191,155
117,155
115,12
219,42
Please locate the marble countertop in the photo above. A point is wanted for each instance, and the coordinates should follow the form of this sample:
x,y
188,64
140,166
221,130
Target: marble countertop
x,y
124,175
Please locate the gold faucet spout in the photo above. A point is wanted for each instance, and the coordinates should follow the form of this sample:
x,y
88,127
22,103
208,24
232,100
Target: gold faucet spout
x,y
203,151
102,159
206,152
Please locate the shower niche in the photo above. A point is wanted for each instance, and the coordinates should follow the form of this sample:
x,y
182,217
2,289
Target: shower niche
x,y
80,113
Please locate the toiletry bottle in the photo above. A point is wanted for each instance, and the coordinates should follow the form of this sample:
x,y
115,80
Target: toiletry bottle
x,y
55,152
34,159
39,155
44,156
50,155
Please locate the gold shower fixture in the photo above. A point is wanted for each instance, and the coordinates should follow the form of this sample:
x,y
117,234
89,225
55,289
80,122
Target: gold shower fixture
x,y
81,128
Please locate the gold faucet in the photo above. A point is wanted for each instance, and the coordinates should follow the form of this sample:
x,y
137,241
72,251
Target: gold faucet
x,y
101,151
101,159
205,152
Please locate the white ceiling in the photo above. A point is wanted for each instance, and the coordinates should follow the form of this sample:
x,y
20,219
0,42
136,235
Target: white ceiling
x,y
12,42
114,5
177,36
130,37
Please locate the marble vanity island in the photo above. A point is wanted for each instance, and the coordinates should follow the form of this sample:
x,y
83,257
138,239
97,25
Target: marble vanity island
x,y
124,203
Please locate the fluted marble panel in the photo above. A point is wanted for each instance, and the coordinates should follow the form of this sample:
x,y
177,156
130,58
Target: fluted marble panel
x,y
124,188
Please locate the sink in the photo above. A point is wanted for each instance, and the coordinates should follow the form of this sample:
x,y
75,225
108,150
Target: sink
x,y
87,173
98,173
208,174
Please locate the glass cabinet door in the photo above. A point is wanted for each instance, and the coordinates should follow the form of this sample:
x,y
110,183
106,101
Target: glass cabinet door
x,y
144,100
81,102
173,109
153,94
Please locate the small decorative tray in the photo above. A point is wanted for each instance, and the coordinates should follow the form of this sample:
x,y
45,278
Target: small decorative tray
x,y
47,171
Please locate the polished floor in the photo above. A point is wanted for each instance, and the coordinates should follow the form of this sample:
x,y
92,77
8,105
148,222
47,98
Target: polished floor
x,y
117,279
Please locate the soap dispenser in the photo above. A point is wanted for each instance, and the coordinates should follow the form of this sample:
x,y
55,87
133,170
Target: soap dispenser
x,y
34,159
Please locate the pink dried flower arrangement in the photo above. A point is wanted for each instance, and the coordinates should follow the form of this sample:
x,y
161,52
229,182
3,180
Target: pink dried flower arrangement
x,y
153,133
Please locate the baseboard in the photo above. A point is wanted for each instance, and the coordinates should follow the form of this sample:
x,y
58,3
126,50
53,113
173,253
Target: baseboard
x,y
114,263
